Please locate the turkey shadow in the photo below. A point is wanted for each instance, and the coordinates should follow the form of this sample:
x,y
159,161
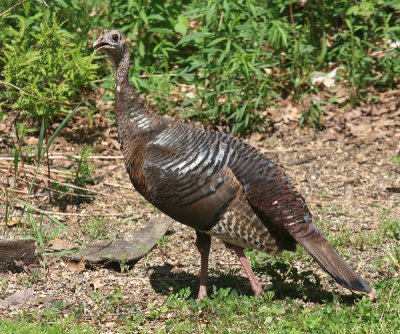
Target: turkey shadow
x,y
166,282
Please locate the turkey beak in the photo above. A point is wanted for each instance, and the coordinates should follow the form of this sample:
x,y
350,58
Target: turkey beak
x,y
100,44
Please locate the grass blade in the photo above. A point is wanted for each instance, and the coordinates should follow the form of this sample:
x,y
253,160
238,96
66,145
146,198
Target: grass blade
x,y
59,129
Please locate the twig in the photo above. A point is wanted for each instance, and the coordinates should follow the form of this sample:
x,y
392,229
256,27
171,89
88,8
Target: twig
x,y
95,193
9,157
117,185
67,185
73,214
13,7
23,192
32,95
28,167
305,149
301,161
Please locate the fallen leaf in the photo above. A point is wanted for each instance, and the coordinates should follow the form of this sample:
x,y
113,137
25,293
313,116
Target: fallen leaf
x,y
10,222
378,111
76,266
290,114
326,79
96,283
361,130
115,143
255,139
190,95
32,141
267,71
8,181
329,135
354,114
58,244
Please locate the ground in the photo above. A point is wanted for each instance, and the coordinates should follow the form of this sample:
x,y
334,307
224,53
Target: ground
x,y
347,173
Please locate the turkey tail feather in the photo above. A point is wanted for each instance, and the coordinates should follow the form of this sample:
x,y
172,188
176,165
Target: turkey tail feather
x,y
309,236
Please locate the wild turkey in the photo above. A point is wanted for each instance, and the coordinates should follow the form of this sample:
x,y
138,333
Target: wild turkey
x,y
214,183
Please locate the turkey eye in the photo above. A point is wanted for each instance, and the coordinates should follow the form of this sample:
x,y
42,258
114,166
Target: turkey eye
x,y
114,38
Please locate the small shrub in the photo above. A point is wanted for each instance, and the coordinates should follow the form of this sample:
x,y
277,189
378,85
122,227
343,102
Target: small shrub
x,y
42,59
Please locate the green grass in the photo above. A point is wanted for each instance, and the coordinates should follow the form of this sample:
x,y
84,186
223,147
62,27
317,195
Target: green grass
x,y
396,159
295,302
96,229
61,327
227,312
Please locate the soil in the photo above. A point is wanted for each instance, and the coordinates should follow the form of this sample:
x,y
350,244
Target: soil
x,y
345,172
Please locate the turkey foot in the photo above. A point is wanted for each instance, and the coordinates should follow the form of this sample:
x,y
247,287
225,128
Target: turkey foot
x,y
255,284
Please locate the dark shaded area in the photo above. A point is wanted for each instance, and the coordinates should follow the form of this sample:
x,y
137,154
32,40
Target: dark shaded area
x,y
166,282
83,133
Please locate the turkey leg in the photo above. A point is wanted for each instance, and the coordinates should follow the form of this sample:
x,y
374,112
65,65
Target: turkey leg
x,y
255,284
203,244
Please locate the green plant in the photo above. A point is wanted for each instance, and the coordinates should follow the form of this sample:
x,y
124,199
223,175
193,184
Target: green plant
x,y
81,175
227,73
75,187
312,115
7,209
396,159
124,265
22,130
116,298
225,62
96,229
390,228
42,67
62,326
41,228
161,242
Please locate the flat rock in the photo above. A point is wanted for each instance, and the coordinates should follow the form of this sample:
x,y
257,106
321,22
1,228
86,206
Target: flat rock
x,y
128,250
16,254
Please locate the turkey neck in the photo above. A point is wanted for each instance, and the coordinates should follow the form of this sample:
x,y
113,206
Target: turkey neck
x,y
129,107
135,123
122,62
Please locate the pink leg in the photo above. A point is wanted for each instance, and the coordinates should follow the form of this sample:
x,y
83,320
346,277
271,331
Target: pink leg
x,y
255,284
203,243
